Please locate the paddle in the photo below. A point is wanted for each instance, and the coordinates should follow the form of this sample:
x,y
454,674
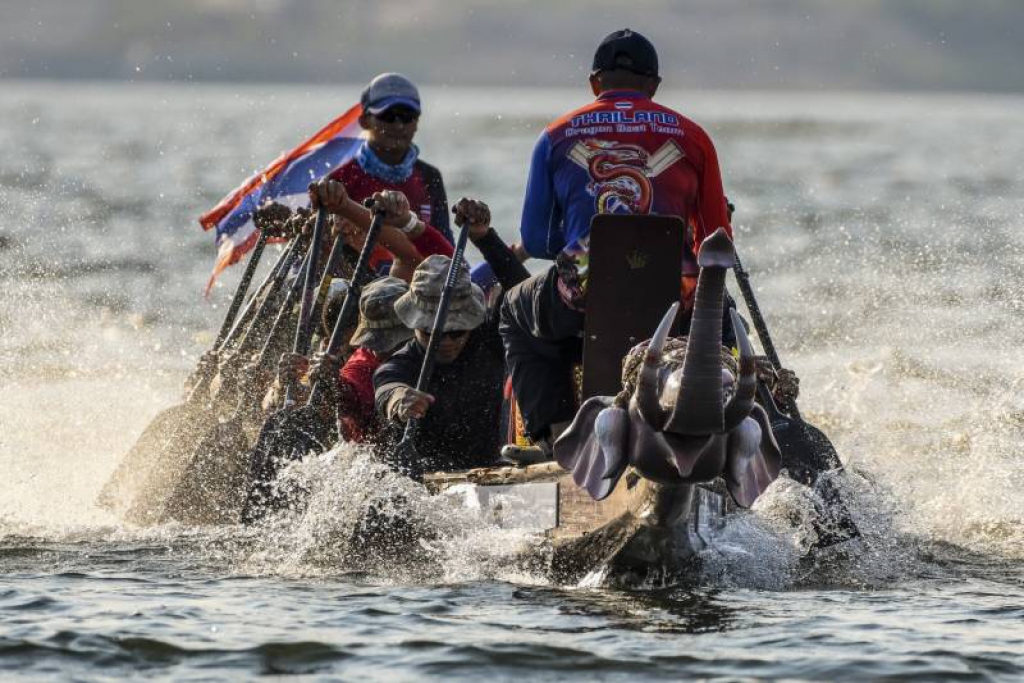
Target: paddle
x,y
806,452
405,451
140,457
246,321
197,415
212,488
245,342
304,330
290,434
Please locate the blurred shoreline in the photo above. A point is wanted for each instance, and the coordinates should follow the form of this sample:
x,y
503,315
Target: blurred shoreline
x,y
909,45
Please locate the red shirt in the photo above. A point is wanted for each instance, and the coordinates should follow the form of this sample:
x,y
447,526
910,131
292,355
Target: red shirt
x,y
425,191
357,418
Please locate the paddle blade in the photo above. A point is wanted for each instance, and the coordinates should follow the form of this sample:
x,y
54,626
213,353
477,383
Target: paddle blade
x,y
806,451
833,523
212,488
287,435
160,461
811,459
131,472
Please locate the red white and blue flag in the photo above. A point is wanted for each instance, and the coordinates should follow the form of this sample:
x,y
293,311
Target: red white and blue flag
x,y
285,180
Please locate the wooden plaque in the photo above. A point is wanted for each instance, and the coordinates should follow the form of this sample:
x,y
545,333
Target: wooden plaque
x,y
635,274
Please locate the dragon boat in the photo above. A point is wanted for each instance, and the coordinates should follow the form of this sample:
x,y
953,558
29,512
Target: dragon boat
x,y
651,468
674,432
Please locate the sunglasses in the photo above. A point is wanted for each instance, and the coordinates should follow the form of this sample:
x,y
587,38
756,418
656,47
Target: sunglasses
x,y
402,114
450,334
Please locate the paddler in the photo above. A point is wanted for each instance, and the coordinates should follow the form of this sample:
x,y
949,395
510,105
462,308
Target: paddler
x,y
405,240
622,153
460,411
388,159
379,331
349,381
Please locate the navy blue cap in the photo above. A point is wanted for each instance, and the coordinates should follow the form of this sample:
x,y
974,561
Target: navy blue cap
x,y
388,90
626,49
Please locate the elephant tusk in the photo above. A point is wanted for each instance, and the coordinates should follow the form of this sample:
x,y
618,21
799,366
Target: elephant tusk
x,y
742,401
647,383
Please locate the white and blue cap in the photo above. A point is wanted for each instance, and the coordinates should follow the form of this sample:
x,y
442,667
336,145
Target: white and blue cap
x,y
387,90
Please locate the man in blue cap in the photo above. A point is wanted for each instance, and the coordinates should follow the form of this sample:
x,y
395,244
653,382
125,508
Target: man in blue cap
x,y
388,159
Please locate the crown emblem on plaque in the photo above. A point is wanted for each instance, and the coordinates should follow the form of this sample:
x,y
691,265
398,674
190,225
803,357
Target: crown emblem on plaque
x,y
637,259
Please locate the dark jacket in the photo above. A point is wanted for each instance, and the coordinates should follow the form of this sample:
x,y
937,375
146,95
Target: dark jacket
x,y
462,427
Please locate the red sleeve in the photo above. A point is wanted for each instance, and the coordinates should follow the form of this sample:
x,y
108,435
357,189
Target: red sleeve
x,y
357,381
712,211
431,242
379,255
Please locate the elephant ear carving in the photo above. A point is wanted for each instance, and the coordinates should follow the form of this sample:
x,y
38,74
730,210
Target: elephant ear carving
x,y
594,446
753,461
770,451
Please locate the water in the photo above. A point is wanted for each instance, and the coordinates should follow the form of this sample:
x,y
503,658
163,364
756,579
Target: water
x,y
883,234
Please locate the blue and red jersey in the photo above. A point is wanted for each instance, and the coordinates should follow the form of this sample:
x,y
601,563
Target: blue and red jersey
x,y
622,153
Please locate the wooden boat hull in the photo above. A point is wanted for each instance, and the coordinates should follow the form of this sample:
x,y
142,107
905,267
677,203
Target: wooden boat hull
x,y
641,529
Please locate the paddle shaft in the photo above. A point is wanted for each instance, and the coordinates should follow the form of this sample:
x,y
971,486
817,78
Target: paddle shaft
x,y
437,331
271,285
282,315
304,330
265,310
284,428
743,279
259,300
227,328
243,287
272,336
350,307
846,528
333,259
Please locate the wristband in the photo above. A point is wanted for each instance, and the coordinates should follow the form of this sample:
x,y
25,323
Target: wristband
x,y
411,225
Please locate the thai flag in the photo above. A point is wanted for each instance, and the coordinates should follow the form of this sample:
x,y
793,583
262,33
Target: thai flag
x,y
285,180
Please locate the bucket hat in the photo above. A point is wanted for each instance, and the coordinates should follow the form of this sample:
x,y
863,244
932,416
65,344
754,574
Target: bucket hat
x,y
418,306
380,329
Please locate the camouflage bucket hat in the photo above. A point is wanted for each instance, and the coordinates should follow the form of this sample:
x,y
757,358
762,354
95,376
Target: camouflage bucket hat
x,y
418,306
380,329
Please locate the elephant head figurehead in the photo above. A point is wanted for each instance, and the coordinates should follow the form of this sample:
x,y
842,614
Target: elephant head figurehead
x,y
687,412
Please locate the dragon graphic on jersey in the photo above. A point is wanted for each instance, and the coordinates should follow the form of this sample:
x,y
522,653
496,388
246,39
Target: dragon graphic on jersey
x,y
620,173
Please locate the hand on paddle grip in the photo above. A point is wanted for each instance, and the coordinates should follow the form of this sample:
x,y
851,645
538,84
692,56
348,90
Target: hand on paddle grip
x,y
787,386
395,207
476,214
273,218
406,403
324,371
291,369
329,193
783,383
299,223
